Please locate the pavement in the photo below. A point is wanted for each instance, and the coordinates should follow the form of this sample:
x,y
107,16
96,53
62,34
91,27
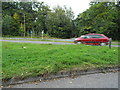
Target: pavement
x,y
98,80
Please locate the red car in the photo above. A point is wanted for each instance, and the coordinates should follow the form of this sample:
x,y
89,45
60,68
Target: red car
x,y
92,39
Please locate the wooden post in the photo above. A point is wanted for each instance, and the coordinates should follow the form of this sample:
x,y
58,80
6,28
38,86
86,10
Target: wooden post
x,y
110,41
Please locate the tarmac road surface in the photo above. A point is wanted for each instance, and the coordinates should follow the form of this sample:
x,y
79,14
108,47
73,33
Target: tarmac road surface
x,y
47,42
98,80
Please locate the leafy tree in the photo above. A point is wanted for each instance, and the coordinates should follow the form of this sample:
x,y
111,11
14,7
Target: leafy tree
x,y
9,8
41,18
59,23
7,25
10,26
99,18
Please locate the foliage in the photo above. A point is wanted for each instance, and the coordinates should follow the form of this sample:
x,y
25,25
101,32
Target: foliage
x,y
10,26
34,16
59,22
99,18
24,13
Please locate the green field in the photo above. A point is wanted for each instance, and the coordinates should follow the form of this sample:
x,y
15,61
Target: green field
x,y
26,59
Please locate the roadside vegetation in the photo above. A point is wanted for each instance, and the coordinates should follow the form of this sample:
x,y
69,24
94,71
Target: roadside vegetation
x,y
26,18
25,59
45,36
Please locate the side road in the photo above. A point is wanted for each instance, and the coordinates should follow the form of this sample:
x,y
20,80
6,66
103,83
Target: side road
x,y
47,42
99,80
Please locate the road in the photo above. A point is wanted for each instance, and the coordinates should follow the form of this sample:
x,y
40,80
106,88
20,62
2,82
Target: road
x,y
41,39
40,42
49,42
99,80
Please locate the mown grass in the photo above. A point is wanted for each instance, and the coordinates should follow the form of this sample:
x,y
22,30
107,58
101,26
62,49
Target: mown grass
x,y
115,43
39,59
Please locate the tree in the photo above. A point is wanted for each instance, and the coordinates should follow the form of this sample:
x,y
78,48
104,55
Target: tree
x,y
9,8
99,18
10,27
59,22
41,18
7,25
20,12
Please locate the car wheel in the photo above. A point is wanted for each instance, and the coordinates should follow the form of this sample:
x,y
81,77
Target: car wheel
x,y
79,42
102,44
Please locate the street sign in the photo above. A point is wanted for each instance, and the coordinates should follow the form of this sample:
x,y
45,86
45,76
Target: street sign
x,y
31,32
42,33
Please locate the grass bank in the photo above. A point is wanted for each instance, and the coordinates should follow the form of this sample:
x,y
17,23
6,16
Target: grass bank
x,y
27,59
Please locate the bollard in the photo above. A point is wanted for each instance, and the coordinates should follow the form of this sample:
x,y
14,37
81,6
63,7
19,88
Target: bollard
x,y
110,41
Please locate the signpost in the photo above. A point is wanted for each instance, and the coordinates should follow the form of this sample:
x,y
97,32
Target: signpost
x,y
31,34
42,34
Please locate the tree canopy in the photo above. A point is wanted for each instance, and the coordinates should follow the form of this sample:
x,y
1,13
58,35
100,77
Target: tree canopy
x,y
20,18
100,18
59,22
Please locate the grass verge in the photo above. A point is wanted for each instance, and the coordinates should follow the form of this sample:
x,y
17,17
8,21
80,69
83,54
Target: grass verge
x,y
40,37
115,43
26,59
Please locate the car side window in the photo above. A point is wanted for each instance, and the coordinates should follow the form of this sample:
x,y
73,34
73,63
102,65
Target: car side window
x,y
87,36
97,36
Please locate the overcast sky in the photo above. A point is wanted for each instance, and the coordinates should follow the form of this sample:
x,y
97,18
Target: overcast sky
x,y
78,6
